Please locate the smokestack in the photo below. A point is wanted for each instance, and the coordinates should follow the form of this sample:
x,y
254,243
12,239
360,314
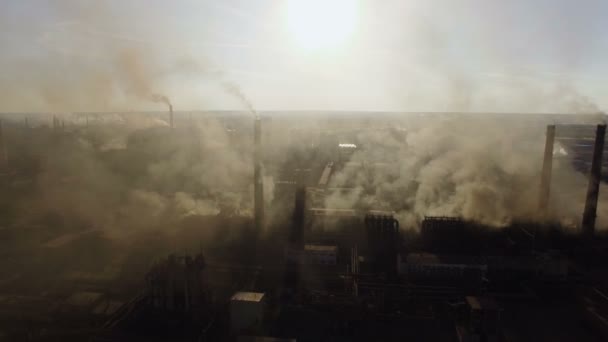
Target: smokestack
x,y
258,181
593,189
296,238
3,154
545,181
171,116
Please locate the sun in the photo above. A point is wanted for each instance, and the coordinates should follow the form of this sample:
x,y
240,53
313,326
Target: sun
x,y
321,24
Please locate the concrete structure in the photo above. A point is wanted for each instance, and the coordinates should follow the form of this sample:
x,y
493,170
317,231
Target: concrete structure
x,y
325,175
257,175
432,266
593,187
313,255
459,273
246,310
545,182
320,254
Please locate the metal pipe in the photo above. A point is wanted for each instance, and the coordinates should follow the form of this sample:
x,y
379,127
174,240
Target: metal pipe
x,y
258,181
593,188
545,181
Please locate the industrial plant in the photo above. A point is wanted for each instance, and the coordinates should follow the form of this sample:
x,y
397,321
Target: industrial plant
x,y
228,226
303,171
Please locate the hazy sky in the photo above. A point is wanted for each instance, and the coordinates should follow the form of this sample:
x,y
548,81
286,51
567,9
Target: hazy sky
x,y
430,55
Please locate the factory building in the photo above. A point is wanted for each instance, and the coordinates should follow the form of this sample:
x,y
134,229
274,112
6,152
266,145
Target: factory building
x,y
320,255
246,311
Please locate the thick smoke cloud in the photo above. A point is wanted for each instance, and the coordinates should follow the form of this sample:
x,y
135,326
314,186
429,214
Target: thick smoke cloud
x,y
483,170
126,171
122,177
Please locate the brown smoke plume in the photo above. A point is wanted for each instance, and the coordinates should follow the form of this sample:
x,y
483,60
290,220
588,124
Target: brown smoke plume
x,y
137,78
233,89
486,170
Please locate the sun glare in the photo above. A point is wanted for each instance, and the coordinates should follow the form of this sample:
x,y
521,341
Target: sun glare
x,y
321,24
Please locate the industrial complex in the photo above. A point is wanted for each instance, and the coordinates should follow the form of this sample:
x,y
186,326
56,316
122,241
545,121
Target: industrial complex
x,y
303,227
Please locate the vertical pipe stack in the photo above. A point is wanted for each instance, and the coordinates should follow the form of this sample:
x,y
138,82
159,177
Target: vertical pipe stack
x,y
257,174
545,181
593,188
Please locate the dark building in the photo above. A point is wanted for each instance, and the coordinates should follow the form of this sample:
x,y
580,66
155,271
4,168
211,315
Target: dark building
x,y
383,241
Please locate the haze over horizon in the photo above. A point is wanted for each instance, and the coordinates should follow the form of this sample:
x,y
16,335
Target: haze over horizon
x,y
516,56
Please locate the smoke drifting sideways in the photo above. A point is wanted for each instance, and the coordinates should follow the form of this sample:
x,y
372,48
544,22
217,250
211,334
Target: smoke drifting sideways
x,y
126,174
484,170
136,77
153,180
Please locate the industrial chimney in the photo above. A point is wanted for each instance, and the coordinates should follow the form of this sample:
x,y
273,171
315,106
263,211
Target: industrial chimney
x,y
257,174
171,116
3,154
593,188
296,234
545,181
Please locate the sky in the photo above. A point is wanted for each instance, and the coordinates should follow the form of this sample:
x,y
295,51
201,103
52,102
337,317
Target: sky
x,y
400,55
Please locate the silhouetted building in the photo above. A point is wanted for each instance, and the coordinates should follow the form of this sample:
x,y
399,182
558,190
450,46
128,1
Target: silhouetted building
x,y
383,241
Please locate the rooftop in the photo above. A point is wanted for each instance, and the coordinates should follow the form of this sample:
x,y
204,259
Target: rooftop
x,y
248,296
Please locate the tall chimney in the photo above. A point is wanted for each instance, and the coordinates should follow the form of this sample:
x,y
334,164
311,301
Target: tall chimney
x,y
296,236
3,154
171,116
545,181
257,174
593,189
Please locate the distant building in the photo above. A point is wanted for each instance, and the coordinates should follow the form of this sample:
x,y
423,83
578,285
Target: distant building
x,y
321,255
455,271
313,255
246,310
